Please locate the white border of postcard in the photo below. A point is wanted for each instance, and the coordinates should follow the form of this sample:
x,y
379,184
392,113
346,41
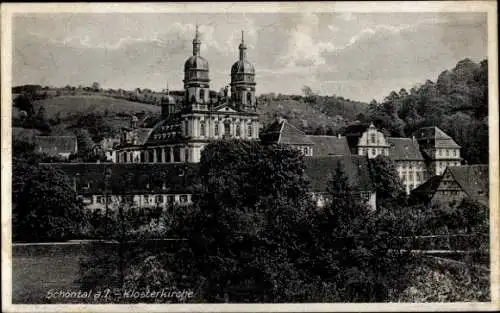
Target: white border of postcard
x,y
251,7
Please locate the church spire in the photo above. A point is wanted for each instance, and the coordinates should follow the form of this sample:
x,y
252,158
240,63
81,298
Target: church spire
x,y
196,43
243,47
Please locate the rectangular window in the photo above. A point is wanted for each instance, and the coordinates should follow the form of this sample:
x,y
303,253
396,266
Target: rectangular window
x,y
249,131
159,199
170,199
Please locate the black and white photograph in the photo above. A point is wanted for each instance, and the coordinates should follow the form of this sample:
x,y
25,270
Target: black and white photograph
x,y
171,155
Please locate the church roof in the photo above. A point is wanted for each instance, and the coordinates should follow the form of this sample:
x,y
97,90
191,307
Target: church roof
x,y
53,145
284,133
320,170
166,130
404,149
127,178
196,62
474,181
435,135
242,67
329,145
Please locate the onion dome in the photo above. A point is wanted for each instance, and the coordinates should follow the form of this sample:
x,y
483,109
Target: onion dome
x,y
196,62
242,66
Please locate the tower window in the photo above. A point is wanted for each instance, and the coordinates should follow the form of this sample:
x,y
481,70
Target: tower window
x,y
373,138
186,128
186,155
216,128
238,131
249,98
202,95
249,131
202,129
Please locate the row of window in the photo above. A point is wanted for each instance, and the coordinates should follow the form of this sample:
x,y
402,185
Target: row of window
x,y
152,199
447,152
411,176
154,155
308,151
226,129
373,152
411,165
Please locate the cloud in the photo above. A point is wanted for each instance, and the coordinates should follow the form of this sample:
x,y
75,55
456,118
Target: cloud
x,y
303,50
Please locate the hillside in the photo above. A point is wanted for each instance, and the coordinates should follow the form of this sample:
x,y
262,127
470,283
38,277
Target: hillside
x,y
63,115
70,105
457,102
313,114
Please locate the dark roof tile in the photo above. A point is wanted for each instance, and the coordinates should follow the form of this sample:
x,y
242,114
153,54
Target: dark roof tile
x,y
404,149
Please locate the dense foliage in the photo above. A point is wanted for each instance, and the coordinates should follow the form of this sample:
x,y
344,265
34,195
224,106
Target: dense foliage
x,y
387,185
45,206
459,97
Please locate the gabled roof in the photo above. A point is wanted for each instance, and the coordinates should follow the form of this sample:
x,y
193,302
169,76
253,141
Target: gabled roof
x,y
404,149
425,191
128,178
320,170
53,145
474,181
436,136
284,133
329,145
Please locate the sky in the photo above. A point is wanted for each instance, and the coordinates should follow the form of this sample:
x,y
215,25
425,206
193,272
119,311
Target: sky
x,y
360,56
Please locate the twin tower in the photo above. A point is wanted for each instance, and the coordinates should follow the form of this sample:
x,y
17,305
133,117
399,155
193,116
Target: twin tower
x,y
196,79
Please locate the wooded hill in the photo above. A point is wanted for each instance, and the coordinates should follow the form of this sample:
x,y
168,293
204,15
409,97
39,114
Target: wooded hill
x,y
456,102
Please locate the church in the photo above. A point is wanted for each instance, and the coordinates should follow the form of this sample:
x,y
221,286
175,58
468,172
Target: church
x,y
187,125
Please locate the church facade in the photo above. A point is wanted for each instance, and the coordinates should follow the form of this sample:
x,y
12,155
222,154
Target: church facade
x,y
187,126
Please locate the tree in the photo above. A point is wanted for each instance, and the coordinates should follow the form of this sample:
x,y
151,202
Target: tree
x,y
96,86
84,142
46,206
388,187
243,230
351,247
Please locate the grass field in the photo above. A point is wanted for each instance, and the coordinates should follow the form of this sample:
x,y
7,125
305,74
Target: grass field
x,y
36,269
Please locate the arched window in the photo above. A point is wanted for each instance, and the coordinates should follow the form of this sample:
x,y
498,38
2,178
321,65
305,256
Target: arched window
x,y
202,95
167,155
249,98
177,154
249,131
203,129
216,128
159,155
186,128
238,130
186,154
227,128
151,156
142,157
